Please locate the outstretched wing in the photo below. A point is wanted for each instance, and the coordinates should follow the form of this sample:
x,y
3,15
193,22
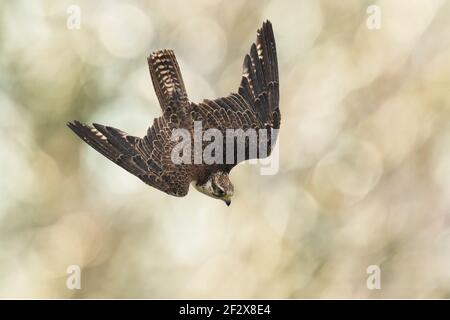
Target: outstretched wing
x,y
147,158
256,105
259,84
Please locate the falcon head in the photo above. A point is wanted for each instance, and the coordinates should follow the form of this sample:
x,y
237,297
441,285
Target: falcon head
x,y
217,186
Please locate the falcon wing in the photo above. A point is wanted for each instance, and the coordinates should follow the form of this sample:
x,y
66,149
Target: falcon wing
x,y
256,105
149,158
146,158
259,84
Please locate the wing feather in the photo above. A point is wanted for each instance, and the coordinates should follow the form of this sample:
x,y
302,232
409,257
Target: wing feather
x,y
145,158
256,105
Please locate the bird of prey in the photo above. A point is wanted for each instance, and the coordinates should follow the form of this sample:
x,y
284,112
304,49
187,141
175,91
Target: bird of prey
x,y
255,105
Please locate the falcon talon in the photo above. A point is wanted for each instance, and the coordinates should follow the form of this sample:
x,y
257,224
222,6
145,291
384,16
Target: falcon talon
x,y
255,106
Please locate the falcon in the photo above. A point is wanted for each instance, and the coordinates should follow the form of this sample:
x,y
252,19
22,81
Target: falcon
x,y
255,106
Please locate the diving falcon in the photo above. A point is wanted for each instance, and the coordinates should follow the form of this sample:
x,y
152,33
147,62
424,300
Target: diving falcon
x,y
255,105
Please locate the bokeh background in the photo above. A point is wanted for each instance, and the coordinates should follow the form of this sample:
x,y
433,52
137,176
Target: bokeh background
x,y
364,174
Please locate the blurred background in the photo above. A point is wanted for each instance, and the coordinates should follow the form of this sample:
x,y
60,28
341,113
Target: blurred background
x,y
364,174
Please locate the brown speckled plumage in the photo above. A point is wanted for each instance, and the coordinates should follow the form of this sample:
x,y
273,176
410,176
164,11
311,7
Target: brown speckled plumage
x,y
255,105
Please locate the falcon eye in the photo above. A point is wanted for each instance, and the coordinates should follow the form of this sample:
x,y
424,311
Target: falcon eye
x,y
218,192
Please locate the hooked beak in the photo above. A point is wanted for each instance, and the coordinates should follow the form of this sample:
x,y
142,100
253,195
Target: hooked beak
x,y
227,202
